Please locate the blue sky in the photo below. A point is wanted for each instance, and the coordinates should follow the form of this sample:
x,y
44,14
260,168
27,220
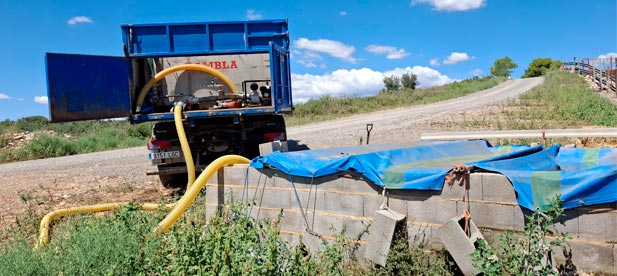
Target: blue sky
x,y
338,47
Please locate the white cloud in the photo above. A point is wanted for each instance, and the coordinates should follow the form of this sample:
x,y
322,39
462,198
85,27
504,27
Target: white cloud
x,y
343,13
389,51
452,5
252,14
307,64
608,55
79,19
456,57
4,97
40,99
333,48
434,62
476,73
357,82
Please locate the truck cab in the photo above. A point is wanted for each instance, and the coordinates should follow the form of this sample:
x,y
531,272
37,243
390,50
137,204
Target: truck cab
x,y
232,78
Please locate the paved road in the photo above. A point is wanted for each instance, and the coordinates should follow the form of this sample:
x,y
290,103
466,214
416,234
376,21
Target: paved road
x,y
403,124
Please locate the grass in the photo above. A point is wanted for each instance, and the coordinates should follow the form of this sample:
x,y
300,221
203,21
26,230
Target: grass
x,y
53,140
564,101
230,243
328,107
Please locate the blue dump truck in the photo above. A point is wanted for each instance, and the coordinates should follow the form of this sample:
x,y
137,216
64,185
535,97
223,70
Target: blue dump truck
x,y
232,80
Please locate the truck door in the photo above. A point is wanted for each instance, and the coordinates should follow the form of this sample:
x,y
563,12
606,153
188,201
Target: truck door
x,y
87,87
281,78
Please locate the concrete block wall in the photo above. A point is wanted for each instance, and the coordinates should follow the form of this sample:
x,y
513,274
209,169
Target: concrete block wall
x,y
345,200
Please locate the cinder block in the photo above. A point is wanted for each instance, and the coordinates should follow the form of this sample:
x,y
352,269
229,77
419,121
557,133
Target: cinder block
x,y
355,228
322,224
598,225
373,203
312,242
381,232
344,204
497,188
519,217
492,215
593,256
237,174
311,201
274,198
266,148
456,191
432,210
356,185
570,223
292,221
459,245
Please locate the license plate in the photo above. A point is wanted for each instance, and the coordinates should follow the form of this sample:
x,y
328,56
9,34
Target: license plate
x,y
163,155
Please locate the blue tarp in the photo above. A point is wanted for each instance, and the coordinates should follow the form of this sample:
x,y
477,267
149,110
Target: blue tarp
x,y
581,176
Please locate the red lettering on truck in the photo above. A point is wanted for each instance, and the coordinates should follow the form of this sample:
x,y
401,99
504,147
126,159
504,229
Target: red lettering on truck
x,y
218,65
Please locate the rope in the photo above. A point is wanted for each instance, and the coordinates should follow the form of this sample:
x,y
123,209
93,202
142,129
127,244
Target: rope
x,y
384,204
306,224
461,171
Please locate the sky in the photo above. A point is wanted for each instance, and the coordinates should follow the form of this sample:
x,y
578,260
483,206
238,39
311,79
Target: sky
x,y
339,48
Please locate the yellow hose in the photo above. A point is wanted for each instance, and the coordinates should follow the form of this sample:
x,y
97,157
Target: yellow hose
x,y
184,144
188,67
193,191
50,217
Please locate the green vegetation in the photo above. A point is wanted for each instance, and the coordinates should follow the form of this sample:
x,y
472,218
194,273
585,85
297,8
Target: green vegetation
x,y
52,140
328,107
529,253
539,67
503,67
230,243
406,81
564,101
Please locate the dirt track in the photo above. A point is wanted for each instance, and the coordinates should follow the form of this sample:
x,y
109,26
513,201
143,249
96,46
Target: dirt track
x,y
119,175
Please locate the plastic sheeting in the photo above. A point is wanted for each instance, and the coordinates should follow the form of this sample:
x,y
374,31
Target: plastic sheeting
x,y
581,176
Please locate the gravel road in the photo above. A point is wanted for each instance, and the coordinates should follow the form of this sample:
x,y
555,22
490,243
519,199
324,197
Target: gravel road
x,y
403,124
119,175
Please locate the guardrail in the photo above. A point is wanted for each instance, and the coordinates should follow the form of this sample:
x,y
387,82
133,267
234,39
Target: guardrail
x,y
602,71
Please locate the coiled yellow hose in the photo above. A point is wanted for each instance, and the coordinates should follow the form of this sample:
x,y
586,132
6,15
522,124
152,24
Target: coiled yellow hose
x,y
193,191
187,67
88,209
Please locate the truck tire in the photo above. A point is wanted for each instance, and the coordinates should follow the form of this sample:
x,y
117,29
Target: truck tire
x,y
174,181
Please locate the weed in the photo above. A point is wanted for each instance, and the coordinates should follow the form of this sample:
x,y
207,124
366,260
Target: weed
x,y
526,254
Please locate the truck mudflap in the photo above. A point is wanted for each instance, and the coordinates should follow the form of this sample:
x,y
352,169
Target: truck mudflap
x,y
87,87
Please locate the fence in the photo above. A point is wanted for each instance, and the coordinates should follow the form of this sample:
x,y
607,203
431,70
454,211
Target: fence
x,y
602,71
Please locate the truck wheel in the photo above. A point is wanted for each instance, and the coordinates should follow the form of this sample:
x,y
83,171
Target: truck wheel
x,y
174,181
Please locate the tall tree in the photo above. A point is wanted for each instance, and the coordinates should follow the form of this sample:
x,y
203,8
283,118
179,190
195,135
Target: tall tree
x,y
503,67
539,66
392,83
409,80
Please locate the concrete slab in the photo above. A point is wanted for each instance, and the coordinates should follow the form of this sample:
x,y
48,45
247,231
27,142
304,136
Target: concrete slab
x,y
598,225
431,210
492,215
381,232
497,188
592,256
459,245
344,204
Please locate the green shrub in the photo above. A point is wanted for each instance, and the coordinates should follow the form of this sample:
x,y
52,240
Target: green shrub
x,y
43,146
529,253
